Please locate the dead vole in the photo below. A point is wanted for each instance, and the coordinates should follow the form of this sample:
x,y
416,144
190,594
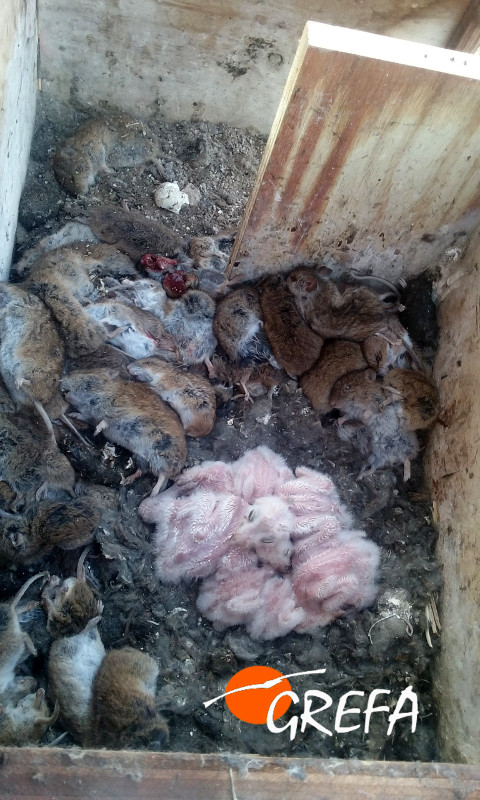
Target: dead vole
x,y
418,396
31,350
73,613
254,382
359,395
191,396
70,604
102,145
137,332
131,415
205,252
123,702
239,329
390,442
66,278
73,663
355,313
337,358
67,524
295,345
24,721
30,463
132,232
15,644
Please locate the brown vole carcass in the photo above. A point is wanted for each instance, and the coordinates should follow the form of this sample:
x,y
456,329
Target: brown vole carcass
x,y
355,313
24,721
70,233
254,382
132,232
102,145
66,279
70,604
69,524
31,350
337,358
382,355
205,252
79,266
15,644
123,702
131,415
238,326
295,345
359,395
418,396
30,463
192,396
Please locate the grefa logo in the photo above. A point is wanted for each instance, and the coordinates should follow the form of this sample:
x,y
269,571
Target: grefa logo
x,y
261,695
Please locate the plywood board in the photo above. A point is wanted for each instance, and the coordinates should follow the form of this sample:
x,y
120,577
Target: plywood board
x,y
373,160
466,35
104,774
453,471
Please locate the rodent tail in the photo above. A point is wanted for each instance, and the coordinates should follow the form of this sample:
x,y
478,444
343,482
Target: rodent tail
x,y
25,586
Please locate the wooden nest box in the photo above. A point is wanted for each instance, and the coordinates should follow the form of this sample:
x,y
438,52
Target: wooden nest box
x,y
373,163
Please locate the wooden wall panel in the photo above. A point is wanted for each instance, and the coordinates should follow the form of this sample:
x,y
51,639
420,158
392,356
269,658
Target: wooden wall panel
x,y
215,60
453,472
373,160
71,773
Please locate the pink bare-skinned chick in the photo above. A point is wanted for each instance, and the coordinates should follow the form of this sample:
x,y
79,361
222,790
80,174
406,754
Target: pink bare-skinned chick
x,y
192,531
266,529
329,581
259,473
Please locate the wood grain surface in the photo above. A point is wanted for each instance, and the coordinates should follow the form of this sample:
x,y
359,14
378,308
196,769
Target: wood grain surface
x,y
58,774
372,161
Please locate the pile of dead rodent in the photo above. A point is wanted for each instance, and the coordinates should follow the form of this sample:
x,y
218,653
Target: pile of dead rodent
x,y
128,352
101,699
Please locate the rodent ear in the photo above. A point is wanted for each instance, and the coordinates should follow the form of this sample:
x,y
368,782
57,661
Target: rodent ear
x,y
310,284
113,374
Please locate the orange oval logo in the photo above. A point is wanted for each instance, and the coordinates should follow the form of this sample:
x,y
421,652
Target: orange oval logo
x,y
252,704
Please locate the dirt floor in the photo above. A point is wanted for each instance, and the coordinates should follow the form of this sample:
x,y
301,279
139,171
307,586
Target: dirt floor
x,y
382,647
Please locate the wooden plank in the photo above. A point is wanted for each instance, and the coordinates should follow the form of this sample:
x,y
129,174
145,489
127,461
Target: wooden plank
x,y
466,35
73,773
372,161
453,475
